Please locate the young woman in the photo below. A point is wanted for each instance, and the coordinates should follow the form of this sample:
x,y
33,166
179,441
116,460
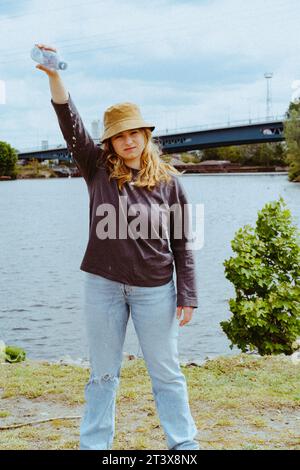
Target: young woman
x,y
127,271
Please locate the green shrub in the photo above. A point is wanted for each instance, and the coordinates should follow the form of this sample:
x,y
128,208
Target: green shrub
x,y
8,159
266,276
11,353
292,138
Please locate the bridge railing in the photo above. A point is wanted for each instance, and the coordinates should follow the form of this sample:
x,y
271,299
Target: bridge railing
x,y
38,148
220,125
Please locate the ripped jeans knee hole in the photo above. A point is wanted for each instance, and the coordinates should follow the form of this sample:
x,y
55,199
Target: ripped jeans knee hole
x,y
103,378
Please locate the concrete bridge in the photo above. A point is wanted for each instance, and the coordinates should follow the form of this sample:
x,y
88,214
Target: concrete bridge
x,y
187,139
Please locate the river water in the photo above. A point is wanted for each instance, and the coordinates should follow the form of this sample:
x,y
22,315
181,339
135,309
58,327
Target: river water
x,y
43,234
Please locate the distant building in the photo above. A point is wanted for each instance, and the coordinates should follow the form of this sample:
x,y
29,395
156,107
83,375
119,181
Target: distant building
x,y
96,130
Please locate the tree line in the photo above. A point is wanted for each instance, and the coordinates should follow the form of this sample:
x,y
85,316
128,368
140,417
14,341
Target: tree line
x,y
268,154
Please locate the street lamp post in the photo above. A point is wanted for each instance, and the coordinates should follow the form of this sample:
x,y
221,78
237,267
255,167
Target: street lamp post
x,y
268,76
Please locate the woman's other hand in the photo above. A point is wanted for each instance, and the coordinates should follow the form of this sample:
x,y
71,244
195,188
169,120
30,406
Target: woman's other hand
x,y
187,314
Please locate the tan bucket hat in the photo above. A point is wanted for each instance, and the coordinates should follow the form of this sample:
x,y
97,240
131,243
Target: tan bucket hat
x,y
122,117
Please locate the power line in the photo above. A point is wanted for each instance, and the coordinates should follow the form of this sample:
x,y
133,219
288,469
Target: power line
x,y
100,36
93,47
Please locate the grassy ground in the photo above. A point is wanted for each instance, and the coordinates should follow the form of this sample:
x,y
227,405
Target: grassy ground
x,y
238,402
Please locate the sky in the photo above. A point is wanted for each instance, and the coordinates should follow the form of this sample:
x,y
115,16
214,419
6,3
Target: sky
x,y
185,63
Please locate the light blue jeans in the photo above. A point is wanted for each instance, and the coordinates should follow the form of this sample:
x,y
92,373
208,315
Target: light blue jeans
x,y
107,305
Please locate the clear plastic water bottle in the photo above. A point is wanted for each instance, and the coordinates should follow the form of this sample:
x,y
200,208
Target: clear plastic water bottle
x,y
49,59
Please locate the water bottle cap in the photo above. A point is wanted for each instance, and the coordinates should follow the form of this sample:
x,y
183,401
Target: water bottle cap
x,y
63,65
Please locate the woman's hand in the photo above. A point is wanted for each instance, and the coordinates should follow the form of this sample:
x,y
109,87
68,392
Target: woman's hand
x,y
187,314
50,72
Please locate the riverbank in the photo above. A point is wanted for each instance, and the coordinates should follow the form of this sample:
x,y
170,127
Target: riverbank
x,y
37,170
225,167
238,402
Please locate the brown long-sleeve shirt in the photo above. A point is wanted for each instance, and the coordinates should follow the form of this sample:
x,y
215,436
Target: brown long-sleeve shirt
x,y
143,261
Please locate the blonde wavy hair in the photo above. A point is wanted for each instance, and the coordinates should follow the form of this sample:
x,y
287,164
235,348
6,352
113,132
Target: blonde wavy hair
x,y
153,169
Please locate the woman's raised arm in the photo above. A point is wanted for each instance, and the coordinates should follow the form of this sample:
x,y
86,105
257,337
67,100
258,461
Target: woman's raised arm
x,y
79,142
58,91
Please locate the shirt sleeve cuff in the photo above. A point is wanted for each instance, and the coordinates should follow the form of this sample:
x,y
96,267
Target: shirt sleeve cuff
x,y
61,104
187,301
